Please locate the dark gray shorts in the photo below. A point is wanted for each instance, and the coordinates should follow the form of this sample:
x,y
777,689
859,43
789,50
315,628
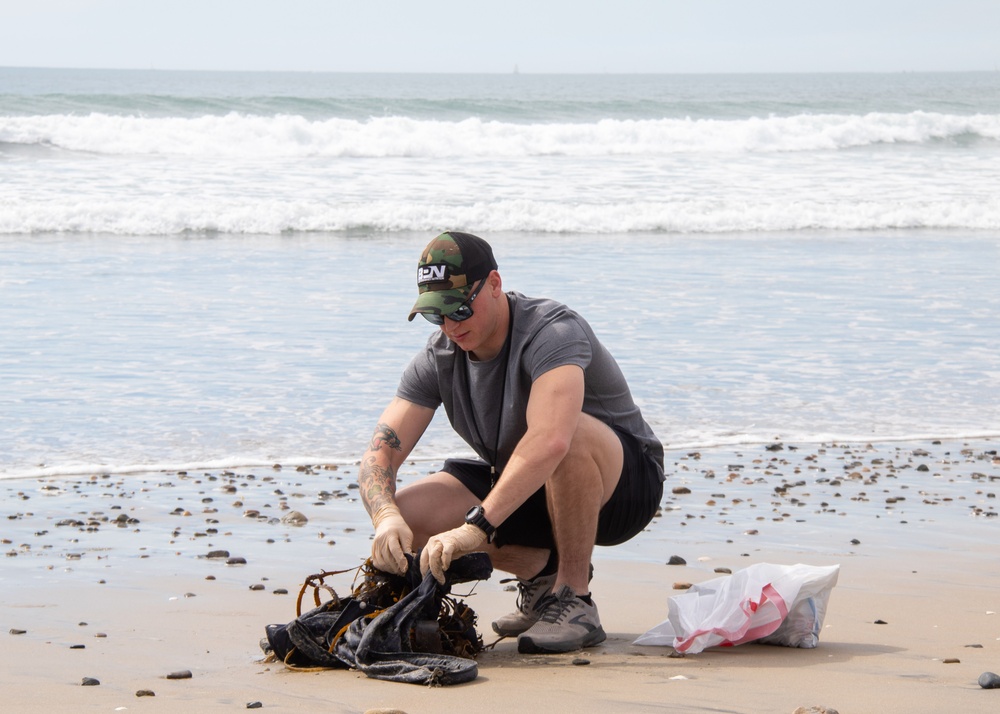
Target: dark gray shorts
x,y
630,509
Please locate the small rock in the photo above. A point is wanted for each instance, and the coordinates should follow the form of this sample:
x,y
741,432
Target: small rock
x,y
294,518
280,591
90,682
989,680
254,705
881,622
145,693
257,586
236,560
724,571
681,490
181,674
682,586
218,554
952,660
580,661
676,560
16,631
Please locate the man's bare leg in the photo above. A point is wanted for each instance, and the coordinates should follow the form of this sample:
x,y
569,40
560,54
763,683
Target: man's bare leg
x,y
580,486
439,502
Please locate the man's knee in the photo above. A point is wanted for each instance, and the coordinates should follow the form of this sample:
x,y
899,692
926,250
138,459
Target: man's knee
x,y
595,452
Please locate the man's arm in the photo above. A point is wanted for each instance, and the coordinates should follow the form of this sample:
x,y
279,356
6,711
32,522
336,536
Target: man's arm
x,y
399,428
553,413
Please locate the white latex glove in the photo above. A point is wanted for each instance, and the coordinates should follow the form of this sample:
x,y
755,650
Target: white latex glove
x,y
393,540
445,547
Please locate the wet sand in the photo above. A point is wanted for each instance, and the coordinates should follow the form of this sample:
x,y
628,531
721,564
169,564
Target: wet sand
x,y
106,576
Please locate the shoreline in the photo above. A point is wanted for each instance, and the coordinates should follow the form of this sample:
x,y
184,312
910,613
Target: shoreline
x,y
126,555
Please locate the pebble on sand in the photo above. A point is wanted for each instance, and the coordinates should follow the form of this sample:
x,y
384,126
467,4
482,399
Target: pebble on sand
x,y
989,680
181,674
145,693
90,682
294,518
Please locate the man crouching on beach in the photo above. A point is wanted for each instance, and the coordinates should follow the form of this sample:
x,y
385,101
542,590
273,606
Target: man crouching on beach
x,y
567,460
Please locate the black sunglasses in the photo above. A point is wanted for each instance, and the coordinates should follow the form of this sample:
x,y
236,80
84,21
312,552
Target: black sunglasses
x,y
460,313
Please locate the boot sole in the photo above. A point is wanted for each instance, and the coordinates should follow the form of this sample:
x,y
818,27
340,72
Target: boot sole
x,y
526,645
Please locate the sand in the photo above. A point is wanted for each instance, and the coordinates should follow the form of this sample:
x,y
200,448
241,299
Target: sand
x,y
106,576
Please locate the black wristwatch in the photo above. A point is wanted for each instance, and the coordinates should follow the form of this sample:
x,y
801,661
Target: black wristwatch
x,y
477,517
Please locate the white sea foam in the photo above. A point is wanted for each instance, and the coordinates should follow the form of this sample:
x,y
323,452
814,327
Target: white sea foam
x,y
239,135
157,216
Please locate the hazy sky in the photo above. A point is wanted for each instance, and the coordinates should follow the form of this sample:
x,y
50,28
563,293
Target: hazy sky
x,y
475,36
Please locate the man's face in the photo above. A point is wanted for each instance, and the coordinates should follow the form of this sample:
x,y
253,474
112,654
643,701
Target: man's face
x,y
478,334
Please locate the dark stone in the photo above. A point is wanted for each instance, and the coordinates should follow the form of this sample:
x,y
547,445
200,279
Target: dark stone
x,y
145,693
91,682
989,680
676,560
182,674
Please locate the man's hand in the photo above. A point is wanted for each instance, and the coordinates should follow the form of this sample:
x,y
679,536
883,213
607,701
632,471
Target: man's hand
x,y
393,540
445,547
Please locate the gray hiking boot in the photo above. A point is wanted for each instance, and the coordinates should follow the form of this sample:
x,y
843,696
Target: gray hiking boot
x,y
530,594
567,623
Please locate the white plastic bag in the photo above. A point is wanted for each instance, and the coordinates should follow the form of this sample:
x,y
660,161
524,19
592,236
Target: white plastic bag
x,y
772,604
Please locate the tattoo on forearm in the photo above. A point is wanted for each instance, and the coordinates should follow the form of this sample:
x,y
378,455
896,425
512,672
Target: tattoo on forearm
x,y
377,484
384,434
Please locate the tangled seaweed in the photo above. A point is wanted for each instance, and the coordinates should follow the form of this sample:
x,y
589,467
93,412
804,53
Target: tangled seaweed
x,y
398,628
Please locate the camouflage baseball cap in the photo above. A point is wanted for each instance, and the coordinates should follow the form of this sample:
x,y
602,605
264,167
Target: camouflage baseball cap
x,y
449,266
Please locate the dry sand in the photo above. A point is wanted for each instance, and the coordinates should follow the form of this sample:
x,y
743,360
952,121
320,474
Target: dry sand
x,y
106,576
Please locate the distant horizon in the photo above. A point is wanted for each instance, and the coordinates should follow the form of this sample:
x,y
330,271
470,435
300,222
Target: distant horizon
x,y
499,73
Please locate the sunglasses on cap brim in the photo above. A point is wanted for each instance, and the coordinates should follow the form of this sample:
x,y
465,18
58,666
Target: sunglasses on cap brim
x,y
459,314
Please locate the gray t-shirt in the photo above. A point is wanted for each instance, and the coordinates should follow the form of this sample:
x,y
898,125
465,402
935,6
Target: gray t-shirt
x,y
546,335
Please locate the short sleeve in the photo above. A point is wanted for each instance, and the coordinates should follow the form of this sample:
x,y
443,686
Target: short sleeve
x,y
419,383
557,343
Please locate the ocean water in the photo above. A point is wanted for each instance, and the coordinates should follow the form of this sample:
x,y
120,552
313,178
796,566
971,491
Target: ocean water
x,y
214,269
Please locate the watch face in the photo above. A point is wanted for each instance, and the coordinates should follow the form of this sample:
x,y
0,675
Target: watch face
x,y
474,512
